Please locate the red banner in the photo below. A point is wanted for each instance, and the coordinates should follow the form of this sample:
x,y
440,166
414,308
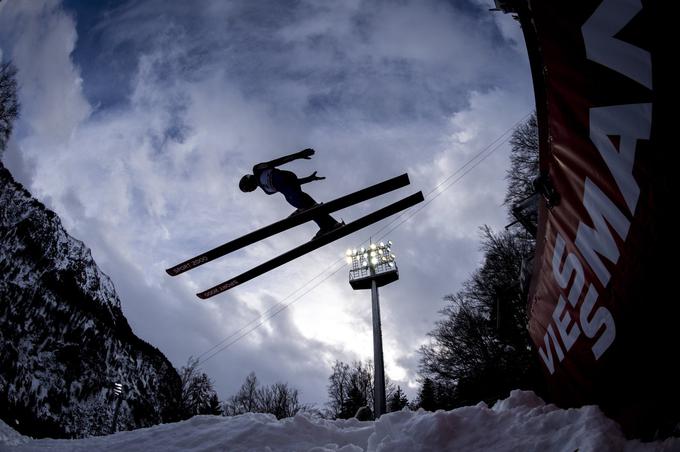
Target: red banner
x,y
599,300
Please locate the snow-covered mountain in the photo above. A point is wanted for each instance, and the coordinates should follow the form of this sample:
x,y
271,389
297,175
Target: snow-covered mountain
x,y
64,341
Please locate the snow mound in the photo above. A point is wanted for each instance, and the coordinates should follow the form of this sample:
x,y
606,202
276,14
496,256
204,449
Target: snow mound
x,y
520,422
9,437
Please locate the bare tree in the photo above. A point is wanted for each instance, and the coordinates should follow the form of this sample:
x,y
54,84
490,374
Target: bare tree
x,y
481,344
9,105
480,348
338,387
197,390
350,388
245,400
523,162
278,399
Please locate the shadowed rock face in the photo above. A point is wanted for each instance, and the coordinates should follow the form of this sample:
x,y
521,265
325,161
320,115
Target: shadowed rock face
x,y
64,341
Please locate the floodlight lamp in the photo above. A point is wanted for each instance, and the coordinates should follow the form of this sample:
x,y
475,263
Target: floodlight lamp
x,y
348,252
391,264
363,250
354,252
364,264
349,260
389,243
374,261
382,244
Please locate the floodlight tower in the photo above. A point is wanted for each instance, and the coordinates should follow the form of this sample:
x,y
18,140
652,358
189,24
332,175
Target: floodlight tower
x,y
371,268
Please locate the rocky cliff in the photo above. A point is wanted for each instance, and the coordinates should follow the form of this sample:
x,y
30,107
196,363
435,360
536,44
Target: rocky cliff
x,y
64,341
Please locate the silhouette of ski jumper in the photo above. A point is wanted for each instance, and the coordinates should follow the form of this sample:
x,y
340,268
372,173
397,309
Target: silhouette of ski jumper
x,y
272,180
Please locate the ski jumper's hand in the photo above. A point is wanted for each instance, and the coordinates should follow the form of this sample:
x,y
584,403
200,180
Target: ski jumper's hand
x,y
310,178
306,153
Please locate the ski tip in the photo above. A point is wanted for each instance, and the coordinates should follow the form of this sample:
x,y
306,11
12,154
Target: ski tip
x,y
218,289
188,265
209,293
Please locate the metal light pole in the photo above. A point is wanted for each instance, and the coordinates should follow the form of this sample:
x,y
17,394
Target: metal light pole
x,y
371,268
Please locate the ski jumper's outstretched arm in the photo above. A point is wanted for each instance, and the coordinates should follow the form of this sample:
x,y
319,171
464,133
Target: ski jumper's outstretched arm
x,y
310,178
304,154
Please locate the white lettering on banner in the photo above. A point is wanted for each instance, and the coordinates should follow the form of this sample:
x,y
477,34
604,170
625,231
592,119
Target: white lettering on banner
x,y
563,320
629,122
599,33
571,266
567,327
599,241
601,318
551,344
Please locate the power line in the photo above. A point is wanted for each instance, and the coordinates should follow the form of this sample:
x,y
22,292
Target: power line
x,y
262,322
271,312
455,181
490,148
274,306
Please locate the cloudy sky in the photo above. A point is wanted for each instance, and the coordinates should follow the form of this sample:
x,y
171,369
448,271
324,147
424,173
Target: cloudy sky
x,y
139,118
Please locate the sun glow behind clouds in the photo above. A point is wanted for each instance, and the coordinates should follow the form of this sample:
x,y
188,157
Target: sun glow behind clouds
x,y
332,324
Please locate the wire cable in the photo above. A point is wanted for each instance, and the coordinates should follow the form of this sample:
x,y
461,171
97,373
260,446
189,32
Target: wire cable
x,y
266,318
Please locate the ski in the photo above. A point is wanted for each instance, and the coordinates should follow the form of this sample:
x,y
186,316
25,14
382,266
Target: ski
x,y
290,222
305,248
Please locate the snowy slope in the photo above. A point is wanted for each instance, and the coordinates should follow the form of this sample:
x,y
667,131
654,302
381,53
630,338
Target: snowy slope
x,y
523,422
64,340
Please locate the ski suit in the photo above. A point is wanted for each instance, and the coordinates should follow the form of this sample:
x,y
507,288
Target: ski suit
x,y
273,180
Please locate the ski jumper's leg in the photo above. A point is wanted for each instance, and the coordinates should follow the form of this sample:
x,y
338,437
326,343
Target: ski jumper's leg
x,y
287,184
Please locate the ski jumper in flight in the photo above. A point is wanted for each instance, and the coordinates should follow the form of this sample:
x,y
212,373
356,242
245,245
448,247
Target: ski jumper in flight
x,y
273,180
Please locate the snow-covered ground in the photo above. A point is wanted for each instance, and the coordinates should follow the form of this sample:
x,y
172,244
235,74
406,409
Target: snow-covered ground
x,y
522,422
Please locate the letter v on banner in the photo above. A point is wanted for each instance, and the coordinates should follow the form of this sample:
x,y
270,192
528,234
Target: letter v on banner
x,y
602,47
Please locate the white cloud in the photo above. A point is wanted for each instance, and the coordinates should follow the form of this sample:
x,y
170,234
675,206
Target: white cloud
x,y
471,155
376,89
42,39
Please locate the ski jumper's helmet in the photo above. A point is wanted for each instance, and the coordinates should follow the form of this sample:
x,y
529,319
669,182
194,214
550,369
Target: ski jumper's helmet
x,y
247,183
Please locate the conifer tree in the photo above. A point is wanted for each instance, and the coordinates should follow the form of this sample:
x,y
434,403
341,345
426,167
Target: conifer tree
x,y
426,396
197,390
397,401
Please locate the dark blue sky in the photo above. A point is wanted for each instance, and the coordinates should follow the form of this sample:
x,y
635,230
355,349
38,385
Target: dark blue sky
x,y
246,39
